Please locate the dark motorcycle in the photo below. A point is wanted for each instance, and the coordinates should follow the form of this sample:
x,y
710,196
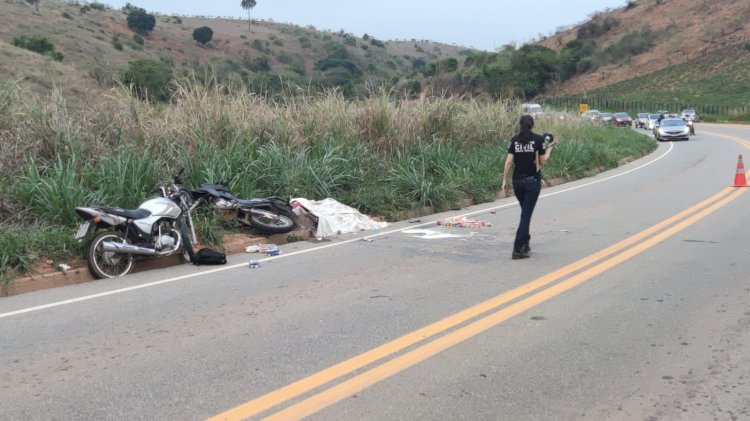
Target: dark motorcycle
x,y
157,228
272,215
691,125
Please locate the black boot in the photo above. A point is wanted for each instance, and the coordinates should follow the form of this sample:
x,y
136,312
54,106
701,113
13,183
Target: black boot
x,y
525,248
518,253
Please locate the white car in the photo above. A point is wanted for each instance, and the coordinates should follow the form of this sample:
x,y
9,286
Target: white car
x,y
591,115
689,114
532,109
672,129
641,120
653,122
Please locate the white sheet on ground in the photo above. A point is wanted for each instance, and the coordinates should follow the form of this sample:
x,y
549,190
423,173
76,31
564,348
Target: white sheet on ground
x,y
337,218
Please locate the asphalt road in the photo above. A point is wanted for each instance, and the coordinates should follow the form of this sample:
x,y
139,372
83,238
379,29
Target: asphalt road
x,y
634,305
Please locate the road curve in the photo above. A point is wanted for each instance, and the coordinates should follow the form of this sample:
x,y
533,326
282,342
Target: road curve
x,y
633,306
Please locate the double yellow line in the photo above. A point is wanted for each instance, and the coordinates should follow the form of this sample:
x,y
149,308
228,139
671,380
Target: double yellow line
x,y
465,324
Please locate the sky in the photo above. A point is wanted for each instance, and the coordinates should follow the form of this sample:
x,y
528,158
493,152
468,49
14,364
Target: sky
x,y
481,24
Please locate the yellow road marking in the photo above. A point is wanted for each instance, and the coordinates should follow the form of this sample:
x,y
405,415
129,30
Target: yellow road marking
x,y
347,388
305,385
736,139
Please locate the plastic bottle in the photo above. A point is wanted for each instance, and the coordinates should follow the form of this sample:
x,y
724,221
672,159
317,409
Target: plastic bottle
x,y
254,264
273,252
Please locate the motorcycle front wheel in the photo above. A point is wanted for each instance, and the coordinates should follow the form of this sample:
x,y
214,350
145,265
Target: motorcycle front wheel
x,y
272,226
104,264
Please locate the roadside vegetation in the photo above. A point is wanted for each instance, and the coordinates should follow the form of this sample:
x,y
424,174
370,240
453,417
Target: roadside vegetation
x,y
385,154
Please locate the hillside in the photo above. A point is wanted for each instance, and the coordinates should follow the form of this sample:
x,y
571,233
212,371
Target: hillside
x,y
97,44
707,35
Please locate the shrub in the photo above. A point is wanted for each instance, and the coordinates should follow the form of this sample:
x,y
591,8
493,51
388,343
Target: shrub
x,y
376,43
138,39
35,43
98,6
203,35
66,15
350,40
631,5
38,44
633,43
177,19
593,28
141,21
258,64
149,78
116,42
84,9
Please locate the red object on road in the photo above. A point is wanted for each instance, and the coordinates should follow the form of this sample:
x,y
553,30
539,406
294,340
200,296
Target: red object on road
x,y
739,178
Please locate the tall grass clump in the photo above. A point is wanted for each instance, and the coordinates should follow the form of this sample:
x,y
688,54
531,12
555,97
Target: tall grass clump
x,y
52,192
384,154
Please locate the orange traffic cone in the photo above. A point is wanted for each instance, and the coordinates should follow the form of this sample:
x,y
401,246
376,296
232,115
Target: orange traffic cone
x,y
739,177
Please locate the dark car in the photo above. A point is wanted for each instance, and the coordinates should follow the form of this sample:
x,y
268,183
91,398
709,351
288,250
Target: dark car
x,y
621,119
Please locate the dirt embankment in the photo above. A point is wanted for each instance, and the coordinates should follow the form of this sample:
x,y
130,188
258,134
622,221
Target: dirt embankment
x,y
687,30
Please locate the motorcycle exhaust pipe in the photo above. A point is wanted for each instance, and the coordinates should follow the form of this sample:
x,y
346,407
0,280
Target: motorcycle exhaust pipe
x,y
267,214
111,247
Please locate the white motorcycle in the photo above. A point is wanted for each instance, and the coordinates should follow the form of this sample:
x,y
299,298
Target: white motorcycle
x,y
157,228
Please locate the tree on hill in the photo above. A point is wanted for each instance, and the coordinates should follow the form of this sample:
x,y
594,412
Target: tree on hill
x,y
149,78
140,21
248,5
203,35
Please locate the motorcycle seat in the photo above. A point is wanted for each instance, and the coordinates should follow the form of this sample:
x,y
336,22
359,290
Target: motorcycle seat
x,y
252,202
127,213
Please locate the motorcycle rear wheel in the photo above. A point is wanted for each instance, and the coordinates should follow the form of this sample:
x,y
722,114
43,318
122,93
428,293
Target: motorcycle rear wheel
x,y
272,226
107,264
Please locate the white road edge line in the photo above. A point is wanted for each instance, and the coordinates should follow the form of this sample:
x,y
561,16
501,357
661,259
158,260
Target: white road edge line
x,y
295,253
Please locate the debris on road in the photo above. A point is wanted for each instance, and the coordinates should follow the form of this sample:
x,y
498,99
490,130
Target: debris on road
x,y
462,222
260,248
430,234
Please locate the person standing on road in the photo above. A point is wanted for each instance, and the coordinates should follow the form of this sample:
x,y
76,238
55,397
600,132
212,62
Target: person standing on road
x,y
526,154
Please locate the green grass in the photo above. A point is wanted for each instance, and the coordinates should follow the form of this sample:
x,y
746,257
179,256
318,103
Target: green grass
x,y
384,155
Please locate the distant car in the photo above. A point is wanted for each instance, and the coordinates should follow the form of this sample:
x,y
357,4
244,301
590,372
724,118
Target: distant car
x,y
621,120
672,129
653,122
640,120
665,112
606,117
591,115
532,109
689,114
